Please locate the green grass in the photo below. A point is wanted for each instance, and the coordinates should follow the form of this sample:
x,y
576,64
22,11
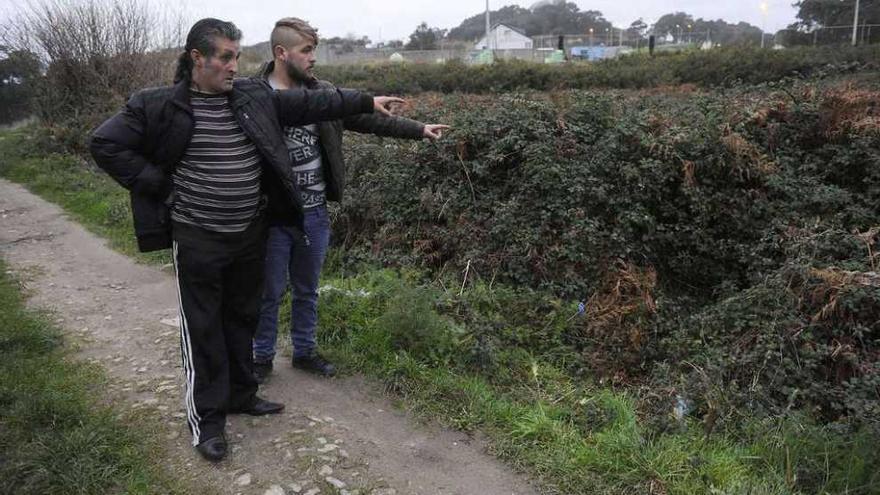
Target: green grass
x,y
88,195
54,437
572,434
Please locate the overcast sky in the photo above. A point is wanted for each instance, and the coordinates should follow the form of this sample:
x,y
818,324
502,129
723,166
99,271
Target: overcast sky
x,y
396,19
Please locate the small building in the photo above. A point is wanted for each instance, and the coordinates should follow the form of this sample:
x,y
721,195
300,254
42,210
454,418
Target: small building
x,y
504,37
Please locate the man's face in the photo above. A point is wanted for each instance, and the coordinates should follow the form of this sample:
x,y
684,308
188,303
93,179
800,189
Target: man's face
x,y
215,74
299,60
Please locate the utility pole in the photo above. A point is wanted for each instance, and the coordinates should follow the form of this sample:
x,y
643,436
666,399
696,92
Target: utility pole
x,y
765,8
488,27
855,39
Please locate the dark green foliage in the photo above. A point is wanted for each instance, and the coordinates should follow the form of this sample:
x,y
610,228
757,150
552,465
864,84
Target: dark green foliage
x,y
812,14
540,19
721,67
19,72
425,38
685,29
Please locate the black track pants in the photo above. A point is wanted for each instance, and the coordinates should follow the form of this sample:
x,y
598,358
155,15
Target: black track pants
x,y
220,282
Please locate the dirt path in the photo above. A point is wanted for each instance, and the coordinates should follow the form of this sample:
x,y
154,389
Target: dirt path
x,y
336,436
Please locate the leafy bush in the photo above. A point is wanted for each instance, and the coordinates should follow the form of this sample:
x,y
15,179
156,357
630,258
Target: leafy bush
x,y
724,243
721,67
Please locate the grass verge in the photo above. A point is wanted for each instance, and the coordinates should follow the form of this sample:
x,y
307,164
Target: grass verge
x,y
54,437
86,194
574,435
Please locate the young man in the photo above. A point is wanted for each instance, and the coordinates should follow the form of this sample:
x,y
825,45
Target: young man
x,y
202,158
318,168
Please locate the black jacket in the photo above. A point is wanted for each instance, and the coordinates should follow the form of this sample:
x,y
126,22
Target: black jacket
x,y
330,133
141,145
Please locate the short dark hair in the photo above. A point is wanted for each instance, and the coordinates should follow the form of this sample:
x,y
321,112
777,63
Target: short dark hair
x,y
201,37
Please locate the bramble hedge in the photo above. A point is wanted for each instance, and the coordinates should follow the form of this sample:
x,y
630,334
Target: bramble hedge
x,y
724,243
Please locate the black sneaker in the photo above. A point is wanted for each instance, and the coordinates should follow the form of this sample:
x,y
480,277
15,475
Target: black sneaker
x,y
262,371
314,363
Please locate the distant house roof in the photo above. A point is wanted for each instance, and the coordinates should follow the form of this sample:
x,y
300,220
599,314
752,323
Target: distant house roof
x,y
508,26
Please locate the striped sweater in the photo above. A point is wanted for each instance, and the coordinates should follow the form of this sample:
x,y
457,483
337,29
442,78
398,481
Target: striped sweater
x,y
217,182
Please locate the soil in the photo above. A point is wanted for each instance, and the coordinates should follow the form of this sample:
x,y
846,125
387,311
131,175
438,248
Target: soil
x,y
338,435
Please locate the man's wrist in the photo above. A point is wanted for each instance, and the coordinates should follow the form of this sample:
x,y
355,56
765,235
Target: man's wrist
x,y
367,104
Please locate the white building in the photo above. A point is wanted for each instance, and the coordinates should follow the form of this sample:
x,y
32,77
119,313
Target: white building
x,y
504,37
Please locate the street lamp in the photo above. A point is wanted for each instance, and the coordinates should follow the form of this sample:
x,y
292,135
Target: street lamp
x,y
765,8
591,36
678,40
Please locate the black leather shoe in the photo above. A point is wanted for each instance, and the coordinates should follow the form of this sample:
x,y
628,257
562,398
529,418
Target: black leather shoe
x,y
314,363
262,371
213,449
259,407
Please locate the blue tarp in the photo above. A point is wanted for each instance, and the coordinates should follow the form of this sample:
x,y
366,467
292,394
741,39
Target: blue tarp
x,y
590,52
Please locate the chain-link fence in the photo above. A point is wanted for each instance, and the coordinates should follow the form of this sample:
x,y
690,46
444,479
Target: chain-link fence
x,y
830,35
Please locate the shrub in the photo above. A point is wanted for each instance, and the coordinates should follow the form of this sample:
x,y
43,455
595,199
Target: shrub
x,y
723,242
720,67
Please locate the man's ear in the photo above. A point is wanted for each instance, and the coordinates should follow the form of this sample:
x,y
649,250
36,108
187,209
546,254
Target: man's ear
x,y
197,58
279,51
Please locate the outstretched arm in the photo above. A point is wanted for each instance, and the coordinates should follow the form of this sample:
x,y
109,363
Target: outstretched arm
x,y
393,126
307,106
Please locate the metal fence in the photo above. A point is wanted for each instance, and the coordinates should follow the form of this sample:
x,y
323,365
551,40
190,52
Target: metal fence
x,y
828,35
607,45
327,56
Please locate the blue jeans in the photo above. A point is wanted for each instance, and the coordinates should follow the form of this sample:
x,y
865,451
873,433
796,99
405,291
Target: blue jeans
x,y
289,253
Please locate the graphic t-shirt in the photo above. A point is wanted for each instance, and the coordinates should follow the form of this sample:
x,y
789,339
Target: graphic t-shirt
x,y
304,146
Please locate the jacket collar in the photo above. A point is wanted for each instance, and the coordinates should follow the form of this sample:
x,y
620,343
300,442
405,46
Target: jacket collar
x,y
181,97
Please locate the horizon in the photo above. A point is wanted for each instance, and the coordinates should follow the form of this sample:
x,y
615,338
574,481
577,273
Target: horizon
x,y
380,22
